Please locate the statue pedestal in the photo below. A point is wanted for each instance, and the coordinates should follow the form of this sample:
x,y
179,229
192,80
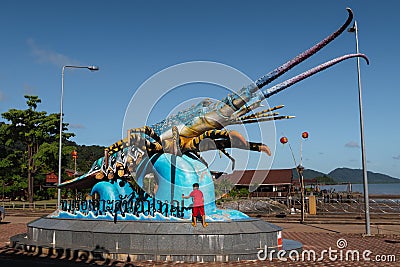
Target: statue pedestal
x,y
153,240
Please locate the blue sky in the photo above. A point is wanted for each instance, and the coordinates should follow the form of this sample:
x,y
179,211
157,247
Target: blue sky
x,y
131,41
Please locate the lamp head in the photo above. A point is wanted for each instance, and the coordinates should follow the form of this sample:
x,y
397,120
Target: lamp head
x,y
93,68
352,28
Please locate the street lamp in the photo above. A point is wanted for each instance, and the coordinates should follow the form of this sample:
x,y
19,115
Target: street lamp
x,y
300,170
354,29
91,68
3,192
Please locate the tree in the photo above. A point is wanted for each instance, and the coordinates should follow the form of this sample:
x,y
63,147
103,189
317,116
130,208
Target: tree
x,y
86,155
222,187
11,180
30,130
325,180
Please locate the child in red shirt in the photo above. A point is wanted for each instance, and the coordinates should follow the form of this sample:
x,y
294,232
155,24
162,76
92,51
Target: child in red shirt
x,y
198,204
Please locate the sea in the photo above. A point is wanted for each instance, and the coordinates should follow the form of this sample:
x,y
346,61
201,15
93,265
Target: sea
x,y
374,189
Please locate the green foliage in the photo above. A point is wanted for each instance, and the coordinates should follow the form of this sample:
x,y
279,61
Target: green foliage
x,y
86,155
29,142
29,145
47,157
325,180
222,186
236,193
14,185
244,192
344,175
52,192
355,176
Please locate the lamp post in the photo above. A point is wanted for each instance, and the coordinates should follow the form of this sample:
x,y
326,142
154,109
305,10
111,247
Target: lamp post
x,y
74,155
354,29
300,170
3,193
91,68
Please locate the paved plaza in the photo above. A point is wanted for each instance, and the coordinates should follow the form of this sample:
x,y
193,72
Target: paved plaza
x,y
333,244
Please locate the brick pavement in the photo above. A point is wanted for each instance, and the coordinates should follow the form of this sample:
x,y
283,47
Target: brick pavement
x,y
382,245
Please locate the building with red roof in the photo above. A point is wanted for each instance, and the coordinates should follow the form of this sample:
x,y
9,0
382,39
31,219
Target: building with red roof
x,y
262,183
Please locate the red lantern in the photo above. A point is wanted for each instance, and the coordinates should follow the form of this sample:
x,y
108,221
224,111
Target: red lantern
x,y
74,154
304,135
283,140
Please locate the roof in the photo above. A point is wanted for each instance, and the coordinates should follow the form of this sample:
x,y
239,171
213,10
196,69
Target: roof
x,y
260,177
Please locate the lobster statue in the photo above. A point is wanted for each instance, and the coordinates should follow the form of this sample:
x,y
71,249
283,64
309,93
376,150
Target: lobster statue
x,y
170,149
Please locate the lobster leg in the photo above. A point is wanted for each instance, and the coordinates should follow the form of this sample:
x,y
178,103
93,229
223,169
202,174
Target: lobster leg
x,y
135,138
223,139
230,157
263,113
256,120
135,142
147,131
196,155
259,147
194,143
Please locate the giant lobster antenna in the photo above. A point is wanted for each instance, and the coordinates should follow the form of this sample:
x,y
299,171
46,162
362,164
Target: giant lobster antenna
x,y
279,87
269,77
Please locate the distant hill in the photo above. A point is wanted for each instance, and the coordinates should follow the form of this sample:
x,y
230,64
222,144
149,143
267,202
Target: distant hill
x,y
308,174
344,175
355,176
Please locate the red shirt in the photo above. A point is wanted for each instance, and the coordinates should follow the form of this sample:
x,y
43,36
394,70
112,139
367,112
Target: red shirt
x,y
198,199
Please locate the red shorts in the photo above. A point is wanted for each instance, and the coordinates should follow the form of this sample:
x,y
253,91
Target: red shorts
x,y
197,210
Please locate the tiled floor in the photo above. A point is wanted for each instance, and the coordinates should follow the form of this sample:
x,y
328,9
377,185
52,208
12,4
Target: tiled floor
x,y
379,247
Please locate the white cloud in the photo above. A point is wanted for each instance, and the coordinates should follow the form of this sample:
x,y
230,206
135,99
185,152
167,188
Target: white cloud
x,y
352,144
29,90
76,126
396,157
48,56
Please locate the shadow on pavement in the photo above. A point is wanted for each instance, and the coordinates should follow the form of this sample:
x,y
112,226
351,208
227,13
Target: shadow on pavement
x,y
35,256
322,228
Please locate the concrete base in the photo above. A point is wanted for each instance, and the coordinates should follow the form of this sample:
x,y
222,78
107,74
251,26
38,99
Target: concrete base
x,y
153,240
